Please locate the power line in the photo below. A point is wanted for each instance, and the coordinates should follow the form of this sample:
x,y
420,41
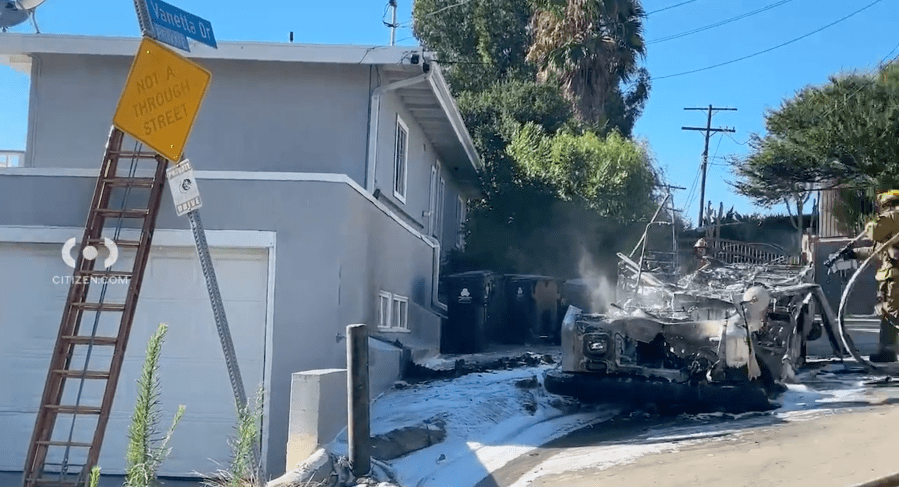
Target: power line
x,y
409,22
669,8
692,194
719,24
719,144
737,141
875,2
458,4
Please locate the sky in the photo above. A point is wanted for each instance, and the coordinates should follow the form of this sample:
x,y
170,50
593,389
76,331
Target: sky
x,y
752,85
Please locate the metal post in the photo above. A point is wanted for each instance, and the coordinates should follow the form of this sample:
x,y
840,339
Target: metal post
x,y
393,22
221,321
358,427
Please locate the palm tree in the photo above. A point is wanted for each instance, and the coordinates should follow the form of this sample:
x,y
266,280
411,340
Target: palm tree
x,y
592,48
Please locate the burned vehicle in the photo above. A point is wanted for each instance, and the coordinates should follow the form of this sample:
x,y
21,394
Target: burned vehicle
x,y
721,339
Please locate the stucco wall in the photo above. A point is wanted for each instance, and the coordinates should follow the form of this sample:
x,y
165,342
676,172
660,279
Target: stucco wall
x,y
334,250
257,116
421,158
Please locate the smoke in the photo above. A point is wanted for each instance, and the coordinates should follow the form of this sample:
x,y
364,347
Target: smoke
x,y
602,289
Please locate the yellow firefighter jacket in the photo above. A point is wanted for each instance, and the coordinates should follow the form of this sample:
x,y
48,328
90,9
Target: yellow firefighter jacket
x,y
884,227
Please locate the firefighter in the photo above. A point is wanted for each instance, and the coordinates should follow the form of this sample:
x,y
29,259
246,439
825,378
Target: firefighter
x,y
884,227
701,249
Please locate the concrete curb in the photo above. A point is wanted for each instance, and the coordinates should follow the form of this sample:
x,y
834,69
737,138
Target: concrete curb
x,y
889,481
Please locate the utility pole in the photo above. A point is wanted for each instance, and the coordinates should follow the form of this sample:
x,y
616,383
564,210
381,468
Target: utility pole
x,y
705,153
392,24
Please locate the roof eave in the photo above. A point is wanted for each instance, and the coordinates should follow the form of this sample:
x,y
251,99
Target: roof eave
x,y
448,103
27,44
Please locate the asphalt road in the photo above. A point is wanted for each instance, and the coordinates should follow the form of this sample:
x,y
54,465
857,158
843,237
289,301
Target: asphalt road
x,y
840,442
838,450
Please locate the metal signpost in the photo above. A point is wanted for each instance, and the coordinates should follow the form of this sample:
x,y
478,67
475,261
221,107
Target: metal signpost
x,y
158,107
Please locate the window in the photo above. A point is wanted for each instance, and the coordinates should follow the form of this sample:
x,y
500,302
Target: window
x,y
384,302
400,312
441,195
460,214
401,156
393,312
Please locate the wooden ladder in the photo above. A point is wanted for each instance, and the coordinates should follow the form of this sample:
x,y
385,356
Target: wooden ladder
x,y
54,416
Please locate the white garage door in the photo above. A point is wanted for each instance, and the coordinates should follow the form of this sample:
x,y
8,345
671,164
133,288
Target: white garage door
x,y
192,367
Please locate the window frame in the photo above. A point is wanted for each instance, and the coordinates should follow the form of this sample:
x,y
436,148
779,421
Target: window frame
x,y
395,305
441,206
461,210
395,302
401,125
383,295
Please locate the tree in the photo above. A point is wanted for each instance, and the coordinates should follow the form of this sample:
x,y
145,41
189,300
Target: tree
x,y
592,48
527,223
842,134
481,42
762,177
612,175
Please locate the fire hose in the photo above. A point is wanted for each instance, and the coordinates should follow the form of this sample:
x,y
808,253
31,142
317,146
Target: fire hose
x,y
844,300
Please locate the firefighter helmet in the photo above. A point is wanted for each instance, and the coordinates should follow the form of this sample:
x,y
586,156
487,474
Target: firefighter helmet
x,y
701,244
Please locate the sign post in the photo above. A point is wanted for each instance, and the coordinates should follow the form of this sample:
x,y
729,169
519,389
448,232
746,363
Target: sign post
x,y
158,107
186,196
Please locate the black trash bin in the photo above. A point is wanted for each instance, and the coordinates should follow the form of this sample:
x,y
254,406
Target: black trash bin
x,y
533,309
584,294
474,310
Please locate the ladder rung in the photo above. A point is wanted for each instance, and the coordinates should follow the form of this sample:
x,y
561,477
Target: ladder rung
x,y
87,374
99,306
65,443
137,155
87,340
133,182
94,273
115,212
56,481
119,243
63,409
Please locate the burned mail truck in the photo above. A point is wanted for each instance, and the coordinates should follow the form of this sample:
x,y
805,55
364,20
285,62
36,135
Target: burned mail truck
x,y
725,339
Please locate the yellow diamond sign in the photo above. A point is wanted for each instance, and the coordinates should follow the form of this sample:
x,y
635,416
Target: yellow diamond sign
x,y
161,99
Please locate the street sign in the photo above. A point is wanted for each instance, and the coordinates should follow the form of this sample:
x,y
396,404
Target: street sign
x,y
161,99
184,189
158,32
165,17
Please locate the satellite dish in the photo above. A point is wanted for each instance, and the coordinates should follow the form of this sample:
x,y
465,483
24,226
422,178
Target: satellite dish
x,y
15,12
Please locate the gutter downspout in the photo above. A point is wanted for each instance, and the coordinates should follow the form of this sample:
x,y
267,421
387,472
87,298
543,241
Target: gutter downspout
x,y
374,116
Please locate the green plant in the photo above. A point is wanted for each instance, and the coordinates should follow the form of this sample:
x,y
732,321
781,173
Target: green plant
x,y
94,480
146,450
243,471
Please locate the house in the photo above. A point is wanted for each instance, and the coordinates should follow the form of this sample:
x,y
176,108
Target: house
x,y
334,178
